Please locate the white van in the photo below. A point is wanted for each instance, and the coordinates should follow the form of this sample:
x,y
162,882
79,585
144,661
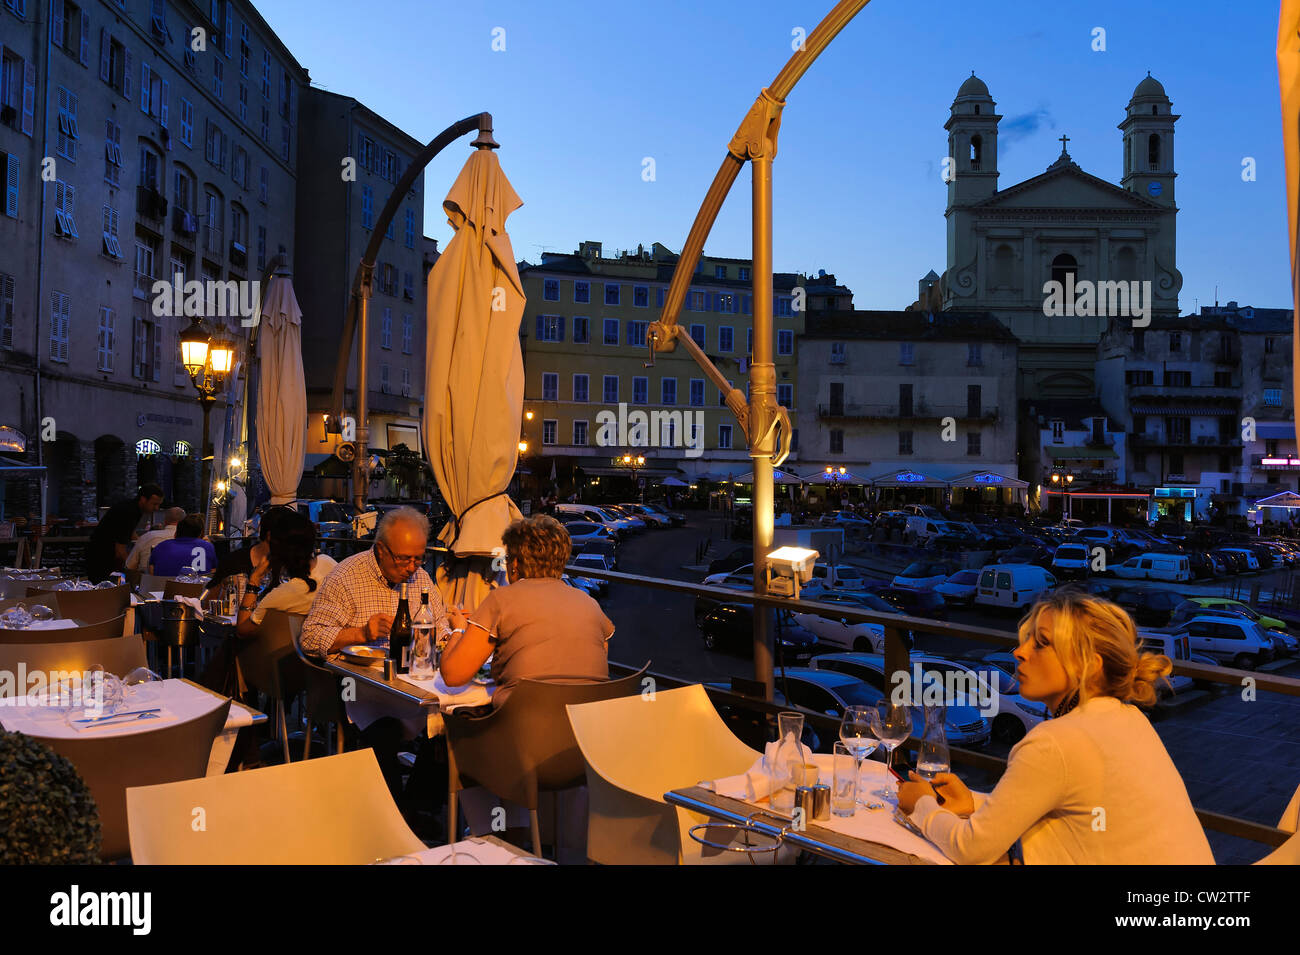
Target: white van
x,y
1012,585
1236,643
1154,566
923,528
1175,646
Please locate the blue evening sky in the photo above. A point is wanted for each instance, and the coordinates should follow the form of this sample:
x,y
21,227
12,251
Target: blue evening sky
x,y
584,92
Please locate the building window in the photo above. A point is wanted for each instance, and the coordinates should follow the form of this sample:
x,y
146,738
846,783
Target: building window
x,y
261,248
550,386
784,306
695,301
906,353
749,341
582,293
1175,464
581,331
580,434
1058,430
837,353
266,75
1178,379
973,443
111,245
784,341
974,401
146,350
725,343
744,274
698,335
785,396
611,294
187,123
1175,341
609,394
1223,379
904,442
386,332
719,271
218,78
1269,344
550,328
640,390
410,228
974,356
668,391
67,131
724,437
265,127
408,333
551,290
408,286
636,333
905,409
105,345
549,427
640,296
367,207
60,315
113,154
837,441
6,310
65,222
697,392
215,146
580,388
727,303
1272,397
611,331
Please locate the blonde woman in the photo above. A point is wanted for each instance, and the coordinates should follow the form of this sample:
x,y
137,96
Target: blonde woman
x,y
1092,785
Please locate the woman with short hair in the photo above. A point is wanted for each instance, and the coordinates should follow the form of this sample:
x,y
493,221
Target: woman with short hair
x,y
537,626
1092,785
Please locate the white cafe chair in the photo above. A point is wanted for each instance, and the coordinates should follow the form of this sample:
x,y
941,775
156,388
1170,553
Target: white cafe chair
x,y
636,750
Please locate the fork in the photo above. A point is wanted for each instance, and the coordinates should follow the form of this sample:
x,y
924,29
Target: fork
x,y
127,718
113,716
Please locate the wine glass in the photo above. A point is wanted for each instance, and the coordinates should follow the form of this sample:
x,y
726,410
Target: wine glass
x,y
892,724
857,735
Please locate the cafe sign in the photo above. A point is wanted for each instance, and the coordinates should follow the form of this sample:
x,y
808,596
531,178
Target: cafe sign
x,y
988,478
147,447
909,477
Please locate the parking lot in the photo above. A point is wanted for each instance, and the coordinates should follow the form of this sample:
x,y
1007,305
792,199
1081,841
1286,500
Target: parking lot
x,y
1237,756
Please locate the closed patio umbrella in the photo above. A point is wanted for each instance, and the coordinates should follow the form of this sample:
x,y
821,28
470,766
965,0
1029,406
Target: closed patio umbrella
x,y
281,392
1288,73
475,375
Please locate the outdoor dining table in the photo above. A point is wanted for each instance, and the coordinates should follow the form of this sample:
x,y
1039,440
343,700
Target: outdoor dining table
x,y
408,696
868,837
179,700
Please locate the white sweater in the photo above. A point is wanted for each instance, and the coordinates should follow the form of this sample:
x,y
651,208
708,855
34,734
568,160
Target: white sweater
x,y
1095,787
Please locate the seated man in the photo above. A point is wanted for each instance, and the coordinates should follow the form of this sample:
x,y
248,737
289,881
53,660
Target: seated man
x,y
356,603
187,552
138,559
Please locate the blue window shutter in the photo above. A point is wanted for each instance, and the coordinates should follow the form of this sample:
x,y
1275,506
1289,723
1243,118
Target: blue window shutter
x,y
541,328
631,332
559,331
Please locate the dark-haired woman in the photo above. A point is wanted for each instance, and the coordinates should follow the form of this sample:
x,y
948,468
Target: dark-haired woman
x,y
291,559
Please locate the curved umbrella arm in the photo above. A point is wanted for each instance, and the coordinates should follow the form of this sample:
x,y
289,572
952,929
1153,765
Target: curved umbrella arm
x,y
361,283
755,136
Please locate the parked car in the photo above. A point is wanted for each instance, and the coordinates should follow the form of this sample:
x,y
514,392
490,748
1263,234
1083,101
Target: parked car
x,y
1013,585
635,521
602,546
1238,643
675,517
916,603
1236,562
650,518
1251,559
1071,560
960,587
1152,566
922,575
847,519
595,562
1027,554
595,515
1247,611
737,557
704,605
835,631
1175,647
582,533
922,510
964,724
588,586
731,627
1148,606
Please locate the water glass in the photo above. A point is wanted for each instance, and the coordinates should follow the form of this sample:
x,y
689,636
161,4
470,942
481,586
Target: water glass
x,y
844,786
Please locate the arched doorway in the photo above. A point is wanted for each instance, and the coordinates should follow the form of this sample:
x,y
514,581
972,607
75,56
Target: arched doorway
x,y
185,480
67,487
1065,270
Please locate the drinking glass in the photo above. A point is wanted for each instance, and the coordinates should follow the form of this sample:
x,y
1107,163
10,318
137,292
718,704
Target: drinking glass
x,y
41,612
857,735
892,724
844,784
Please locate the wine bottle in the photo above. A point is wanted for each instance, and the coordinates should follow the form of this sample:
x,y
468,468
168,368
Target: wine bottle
x,y
422,649
399,636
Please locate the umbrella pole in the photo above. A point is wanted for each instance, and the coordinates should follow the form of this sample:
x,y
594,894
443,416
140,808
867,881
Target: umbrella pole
x,y
361,463
762,378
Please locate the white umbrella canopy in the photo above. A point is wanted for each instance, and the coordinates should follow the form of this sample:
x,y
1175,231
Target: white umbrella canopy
x,y
281,392
475,375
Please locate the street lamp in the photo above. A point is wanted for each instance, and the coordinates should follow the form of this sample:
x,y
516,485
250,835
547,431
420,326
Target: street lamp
x,y
208,360
634,463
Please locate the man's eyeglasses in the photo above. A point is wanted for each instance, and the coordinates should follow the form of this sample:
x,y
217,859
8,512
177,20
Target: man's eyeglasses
x,y
399,559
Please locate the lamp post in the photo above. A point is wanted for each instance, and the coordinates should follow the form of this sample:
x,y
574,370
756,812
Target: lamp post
x,y
208,360
833,477
1064,480
634,463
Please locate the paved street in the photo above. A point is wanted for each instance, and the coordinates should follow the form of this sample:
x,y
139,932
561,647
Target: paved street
x,y
1236,756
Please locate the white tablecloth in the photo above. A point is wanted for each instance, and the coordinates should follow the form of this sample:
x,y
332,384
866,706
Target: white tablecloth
x,y
177,700
60,624
873,825
471,852
372,703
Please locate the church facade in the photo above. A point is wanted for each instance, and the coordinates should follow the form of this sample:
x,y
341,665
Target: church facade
x,y
1064,225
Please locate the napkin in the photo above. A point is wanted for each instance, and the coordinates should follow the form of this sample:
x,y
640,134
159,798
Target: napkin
x,y
756,782
191,602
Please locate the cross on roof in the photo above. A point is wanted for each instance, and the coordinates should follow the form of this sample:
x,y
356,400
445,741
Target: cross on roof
x,y
1064,140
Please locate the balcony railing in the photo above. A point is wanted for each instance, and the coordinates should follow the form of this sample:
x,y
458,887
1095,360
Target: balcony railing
x,y
212,243
184,223
1214,392
150,203
919,411
1208,442
144,284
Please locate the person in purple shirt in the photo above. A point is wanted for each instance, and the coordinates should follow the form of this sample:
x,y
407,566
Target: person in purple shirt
x,y
186,553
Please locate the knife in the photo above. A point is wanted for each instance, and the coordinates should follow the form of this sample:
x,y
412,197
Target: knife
x,y
113,716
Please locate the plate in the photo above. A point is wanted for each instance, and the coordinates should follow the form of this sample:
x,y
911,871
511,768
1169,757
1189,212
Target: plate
x,y
368,656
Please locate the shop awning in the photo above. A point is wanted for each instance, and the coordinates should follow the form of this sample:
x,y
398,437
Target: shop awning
x,y
1080,454
1190,410
985,479
905,478
1275,430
